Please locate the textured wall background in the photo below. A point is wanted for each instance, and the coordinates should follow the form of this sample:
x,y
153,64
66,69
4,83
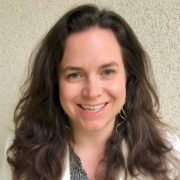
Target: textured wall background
x,y
24,22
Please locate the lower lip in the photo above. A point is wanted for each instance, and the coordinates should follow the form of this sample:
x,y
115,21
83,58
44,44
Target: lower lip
x,y
91,113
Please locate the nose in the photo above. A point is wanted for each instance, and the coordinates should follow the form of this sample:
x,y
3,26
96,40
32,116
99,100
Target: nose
x,y
92,88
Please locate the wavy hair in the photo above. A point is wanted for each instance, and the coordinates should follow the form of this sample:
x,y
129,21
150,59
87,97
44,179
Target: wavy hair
x,y
41,137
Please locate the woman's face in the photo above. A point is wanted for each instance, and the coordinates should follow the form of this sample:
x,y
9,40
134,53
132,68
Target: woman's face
x,y
92,80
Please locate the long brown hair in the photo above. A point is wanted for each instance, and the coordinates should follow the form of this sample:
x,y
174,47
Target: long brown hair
x,y
41,137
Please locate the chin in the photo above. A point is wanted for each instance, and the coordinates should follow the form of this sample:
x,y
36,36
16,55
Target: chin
x,y
97,127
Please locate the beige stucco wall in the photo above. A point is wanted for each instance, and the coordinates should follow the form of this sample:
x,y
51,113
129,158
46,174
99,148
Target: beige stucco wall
x,y
24,22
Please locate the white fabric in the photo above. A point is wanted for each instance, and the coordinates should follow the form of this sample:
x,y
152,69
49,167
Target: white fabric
x,y
5,171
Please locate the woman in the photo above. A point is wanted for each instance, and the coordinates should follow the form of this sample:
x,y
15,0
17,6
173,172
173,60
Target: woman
x,y
90,110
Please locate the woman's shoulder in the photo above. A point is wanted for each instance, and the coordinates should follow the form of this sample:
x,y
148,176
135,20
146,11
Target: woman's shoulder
x,y
5,170
173,156
172,136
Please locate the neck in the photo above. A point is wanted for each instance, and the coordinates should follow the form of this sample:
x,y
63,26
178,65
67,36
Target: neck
x,y
90,140
90,147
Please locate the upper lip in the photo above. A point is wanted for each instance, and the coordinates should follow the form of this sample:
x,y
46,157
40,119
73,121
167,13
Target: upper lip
x,y
92,104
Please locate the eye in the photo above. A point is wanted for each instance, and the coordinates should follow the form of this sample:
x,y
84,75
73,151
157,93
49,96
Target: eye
x,y
108,72
74,75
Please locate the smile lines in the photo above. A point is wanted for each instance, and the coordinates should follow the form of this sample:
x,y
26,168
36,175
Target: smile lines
x,y
95,108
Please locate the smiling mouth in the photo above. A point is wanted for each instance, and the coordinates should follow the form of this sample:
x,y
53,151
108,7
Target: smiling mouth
x,y
94,108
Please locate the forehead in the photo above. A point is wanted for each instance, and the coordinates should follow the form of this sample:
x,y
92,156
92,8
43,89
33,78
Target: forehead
x,y
92,35
95,45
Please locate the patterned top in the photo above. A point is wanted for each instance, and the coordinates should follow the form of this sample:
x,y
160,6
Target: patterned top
x,y
76,170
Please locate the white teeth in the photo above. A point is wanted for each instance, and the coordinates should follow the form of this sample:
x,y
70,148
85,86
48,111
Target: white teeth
x,y
92,108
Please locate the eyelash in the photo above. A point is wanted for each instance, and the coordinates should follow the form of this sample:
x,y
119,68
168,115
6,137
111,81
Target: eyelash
x,y
73,75
108,72
76,75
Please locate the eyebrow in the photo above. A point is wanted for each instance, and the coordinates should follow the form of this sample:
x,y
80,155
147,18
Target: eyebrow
x,y
109,65
76,68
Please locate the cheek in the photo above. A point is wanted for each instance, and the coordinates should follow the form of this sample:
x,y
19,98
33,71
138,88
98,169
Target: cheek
x,y
67,91
64,92
118,87
118,90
